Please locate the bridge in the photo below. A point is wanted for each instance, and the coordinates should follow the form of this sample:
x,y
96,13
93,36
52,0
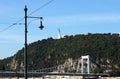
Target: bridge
x,y
40,74
49,71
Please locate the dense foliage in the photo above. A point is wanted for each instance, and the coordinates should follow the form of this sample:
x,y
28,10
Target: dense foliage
x,y
104,50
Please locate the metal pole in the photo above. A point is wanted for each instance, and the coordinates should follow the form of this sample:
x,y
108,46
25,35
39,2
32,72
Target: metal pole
x,y
25,50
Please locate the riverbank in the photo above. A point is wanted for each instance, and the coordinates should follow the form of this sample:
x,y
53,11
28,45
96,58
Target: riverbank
x,y
110,78
58,77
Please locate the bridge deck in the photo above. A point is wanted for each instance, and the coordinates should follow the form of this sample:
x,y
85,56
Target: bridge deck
x,y
39,74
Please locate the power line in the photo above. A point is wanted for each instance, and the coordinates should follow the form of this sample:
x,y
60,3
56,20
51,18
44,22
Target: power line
x,y
5,23
44,5
12,25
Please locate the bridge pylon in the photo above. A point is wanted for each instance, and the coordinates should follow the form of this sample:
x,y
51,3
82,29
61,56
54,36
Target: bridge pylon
x,y
87,57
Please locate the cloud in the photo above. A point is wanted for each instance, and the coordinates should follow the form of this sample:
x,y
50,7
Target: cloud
x,y
68,20
11,38
83,19
14,38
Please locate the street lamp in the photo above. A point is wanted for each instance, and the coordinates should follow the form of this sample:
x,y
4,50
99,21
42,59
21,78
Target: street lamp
x,y
25,50
41,25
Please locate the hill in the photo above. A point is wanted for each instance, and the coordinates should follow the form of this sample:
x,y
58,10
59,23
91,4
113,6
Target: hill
x,y
104,51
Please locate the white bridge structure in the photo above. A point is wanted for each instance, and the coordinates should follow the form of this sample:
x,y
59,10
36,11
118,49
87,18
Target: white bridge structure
x,y
83,66
87,57
85,61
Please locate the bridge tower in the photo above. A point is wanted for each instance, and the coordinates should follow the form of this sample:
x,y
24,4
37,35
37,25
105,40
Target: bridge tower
x,y
87,57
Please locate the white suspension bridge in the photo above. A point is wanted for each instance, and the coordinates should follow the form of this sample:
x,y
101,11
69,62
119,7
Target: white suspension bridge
x,y
59,69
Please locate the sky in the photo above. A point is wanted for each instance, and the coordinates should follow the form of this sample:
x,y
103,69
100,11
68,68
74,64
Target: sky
x,y
71,16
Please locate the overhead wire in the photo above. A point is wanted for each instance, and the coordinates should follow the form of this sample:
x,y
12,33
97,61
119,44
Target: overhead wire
x,y
17,22
5,23
41,7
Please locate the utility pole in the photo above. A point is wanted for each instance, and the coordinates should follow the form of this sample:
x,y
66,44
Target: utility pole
x,y
25,49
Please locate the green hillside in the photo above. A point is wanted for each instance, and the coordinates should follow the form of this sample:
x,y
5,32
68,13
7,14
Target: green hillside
x,y
104,50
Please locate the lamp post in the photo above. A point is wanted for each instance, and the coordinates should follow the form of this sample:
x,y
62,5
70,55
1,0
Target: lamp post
x,y
25,49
